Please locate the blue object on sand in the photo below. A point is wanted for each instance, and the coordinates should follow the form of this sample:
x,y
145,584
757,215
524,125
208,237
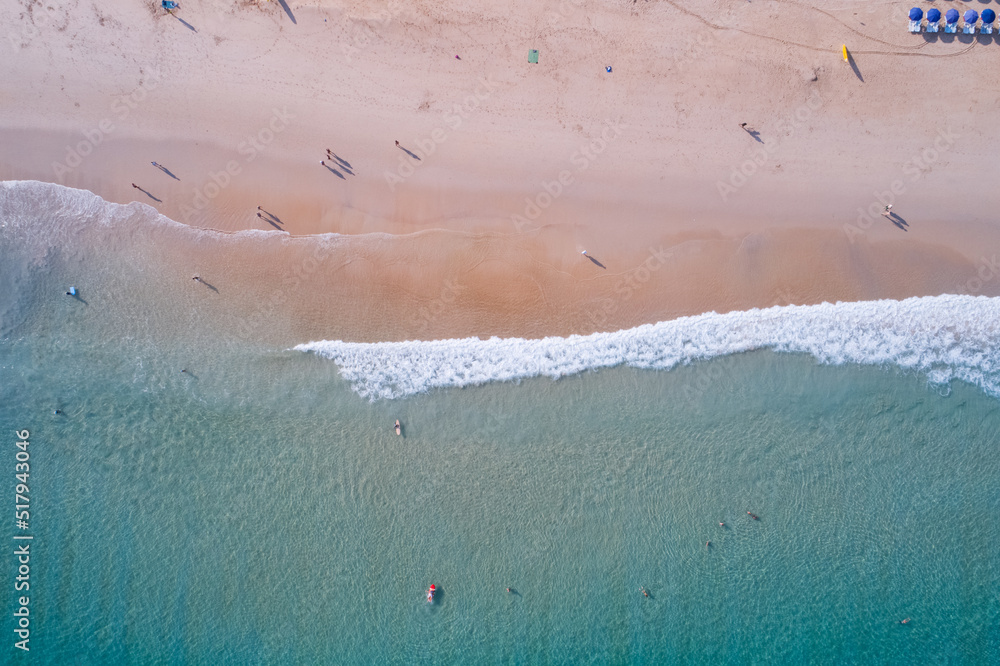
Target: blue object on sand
x,y
608,69
170,4
72,291
916,14
971,16
933,15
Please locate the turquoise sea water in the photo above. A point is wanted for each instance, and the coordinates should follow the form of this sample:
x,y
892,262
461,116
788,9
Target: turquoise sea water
x,y
257,510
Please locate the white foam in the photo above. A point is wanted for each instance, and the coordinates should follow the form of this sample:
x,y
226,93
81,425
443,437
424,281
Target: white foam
x,y
945,337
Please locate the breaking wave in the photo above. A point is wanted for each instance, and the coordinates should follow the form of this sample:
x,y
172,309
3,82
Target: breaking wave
x,y
945,337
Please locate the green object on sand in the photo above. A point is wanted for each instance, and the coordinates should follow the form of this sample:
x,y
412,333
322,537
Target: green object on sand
x,y
533,56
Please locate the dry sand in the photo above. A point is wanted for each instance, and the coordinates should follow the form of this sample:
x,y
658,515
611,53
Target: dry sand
x,y
686,211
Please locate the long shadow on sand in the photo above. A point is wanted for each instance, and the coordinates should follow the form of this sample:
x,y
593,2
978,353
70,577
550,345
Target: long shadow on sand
x,y
186,24
272,216
167,171
410,154
854,66
596,262
335,172
202,281
344,163
149,195
288,11
898,221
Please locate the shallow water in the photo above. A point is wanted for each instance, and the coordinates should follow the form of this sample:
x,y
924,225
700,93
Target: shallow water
x,y
255,509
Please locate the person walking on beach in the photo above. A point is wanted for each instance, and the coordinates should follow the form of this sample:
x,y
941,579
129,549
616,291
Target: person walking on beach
x,y
397,144
888,210
196,278
135,186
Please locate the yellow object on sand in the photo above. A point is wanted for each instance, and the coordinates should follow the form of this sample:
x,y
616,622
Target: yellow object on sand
x,y
844,47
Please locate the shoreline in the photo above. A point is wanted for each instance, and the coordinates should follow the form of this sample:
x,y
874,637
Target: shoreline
x,y
442,284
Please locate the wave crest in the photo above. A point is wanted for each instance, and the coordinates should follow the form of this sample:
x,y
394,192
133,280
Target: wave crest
x,y
945,337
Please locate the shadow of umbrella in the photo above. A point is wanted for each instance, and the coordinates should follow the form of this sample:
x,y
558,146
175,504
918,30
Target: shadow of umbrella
x,y
288,11
854,66
170,6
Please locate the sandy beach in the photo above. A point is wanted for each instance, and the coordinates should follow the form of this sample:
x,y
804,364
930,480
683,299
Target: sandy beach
x,y
508,170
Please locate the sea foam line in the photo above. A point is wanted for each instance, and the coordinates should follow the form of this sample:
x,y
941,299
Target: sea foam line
x,y
945,337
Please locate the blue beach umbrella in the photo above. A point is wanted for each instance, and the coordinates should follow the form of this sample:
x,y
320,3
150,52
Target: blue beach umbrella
x,y
916,14
989,16
951,16
934,15
971,16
